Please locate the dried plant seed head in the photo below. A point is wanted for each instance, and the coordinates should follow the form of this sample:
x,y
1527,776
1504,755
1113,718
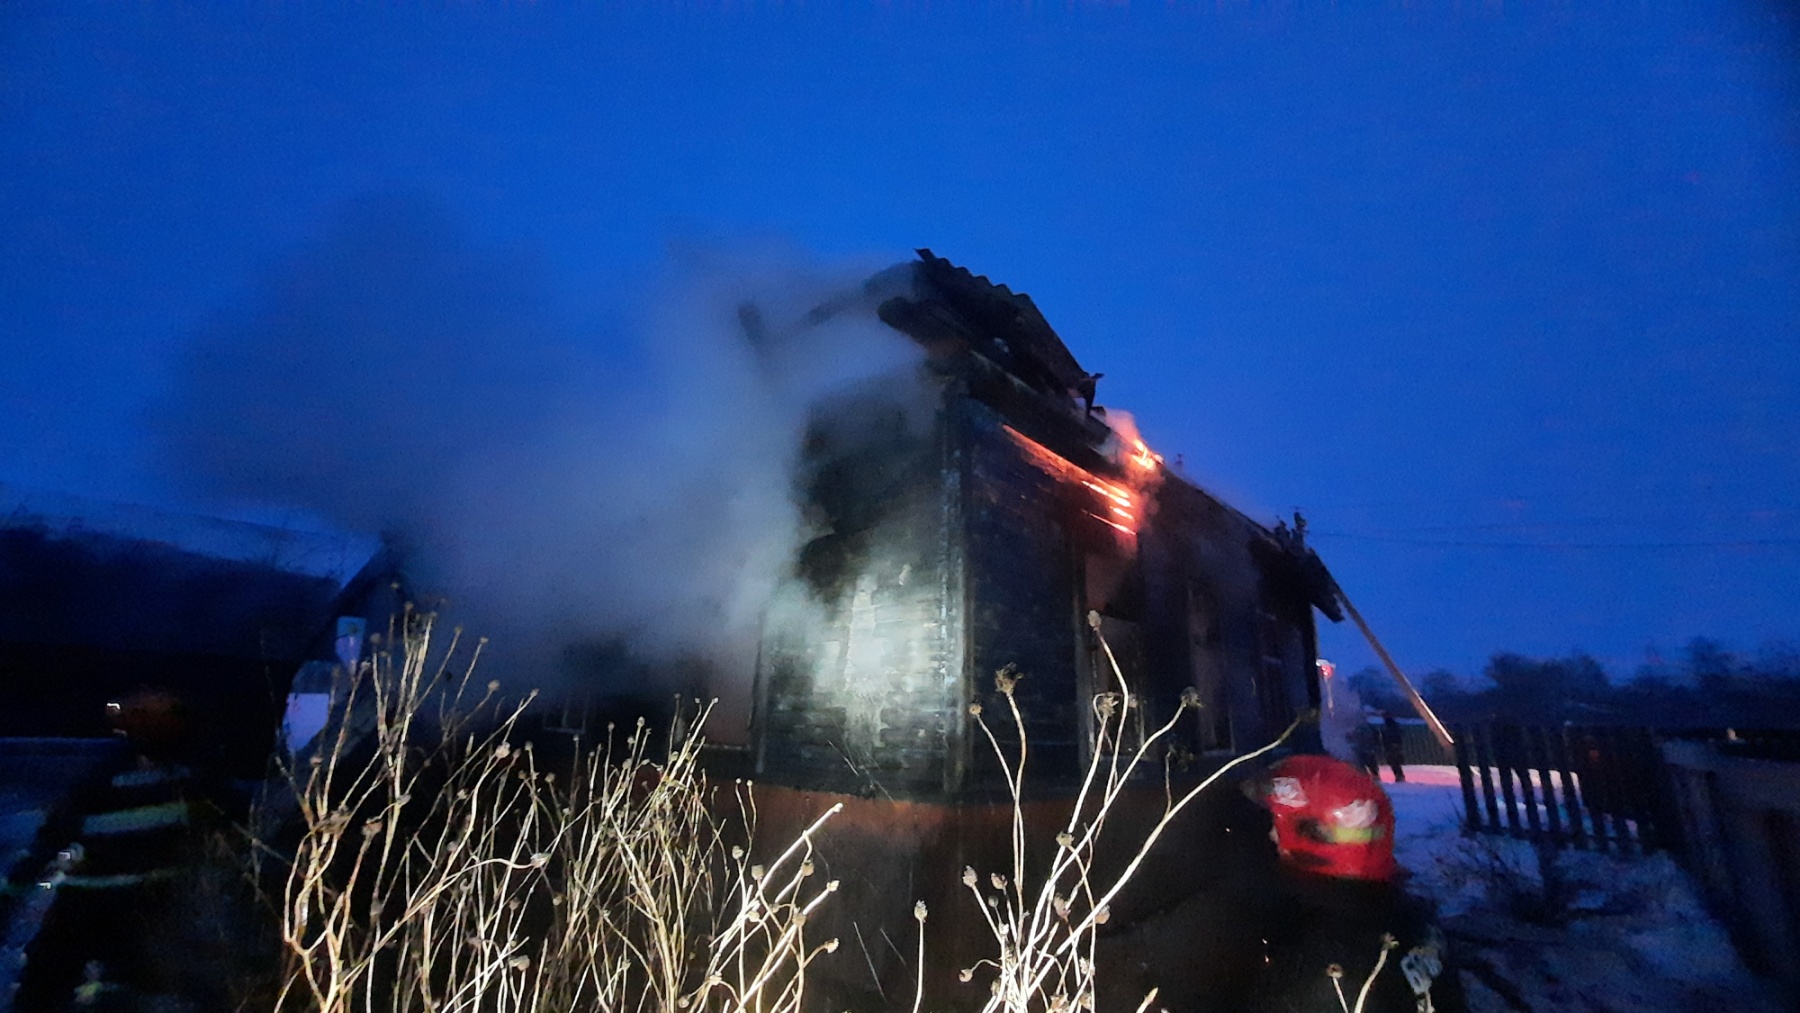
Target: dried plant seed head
x,y
1190,698
998,880
1102,915
831,945
806,868
520,963
737,851
968,875
965,974
1007,679
1065,839
1061,906
1334,971
993,902
919,911
975,710
540,859
831,887
502,751
1388,941
493,685
757,872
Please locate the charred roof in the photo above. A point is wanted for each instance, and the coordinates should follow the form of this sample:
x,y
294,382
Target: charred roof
x,y
951,309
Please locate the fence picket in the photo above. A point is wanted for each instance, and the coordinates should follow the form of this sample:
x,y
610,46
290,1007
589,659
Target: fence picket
x,y
1627,789
1503,769
1521,763
1634,791
1484,763
1471,810
1582,787
1571,786
1593,786
1538,746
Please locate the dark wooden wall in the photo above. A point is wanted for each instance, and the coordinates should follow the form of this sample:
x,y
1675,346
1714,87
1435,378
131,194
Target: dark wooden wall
x,y
860,684
950,551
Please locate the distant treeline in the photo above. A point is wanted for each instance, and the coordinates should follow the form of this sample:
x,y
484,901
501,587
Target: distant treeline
x,y
1708,686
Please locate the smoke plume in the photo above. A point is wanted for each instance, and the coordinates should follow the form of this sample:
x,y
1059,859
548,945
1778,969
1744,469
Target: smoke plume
x,y
394,376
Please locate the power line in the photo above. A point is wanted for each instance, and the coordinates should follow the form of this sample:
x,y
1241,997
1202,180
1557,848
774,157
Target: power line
x,y
1754,543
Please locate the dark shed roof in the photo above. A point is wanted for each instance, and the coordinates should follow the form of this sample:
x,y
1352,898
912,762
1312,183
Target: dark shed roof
x,y
950,305
121,577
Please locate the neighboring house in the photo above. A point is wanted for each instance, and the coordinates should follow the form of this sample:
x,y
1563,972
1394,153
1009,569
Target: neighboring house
x,y
101,600
980,536
187,631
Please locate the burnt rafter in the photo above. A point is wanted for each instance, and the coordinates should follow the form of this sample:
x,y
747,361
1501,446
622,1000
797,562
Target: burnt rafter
x,y
953,309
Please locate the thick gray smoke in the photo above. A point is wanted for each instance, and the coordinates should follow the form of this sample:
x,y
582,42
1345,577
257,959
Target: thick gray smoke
x,y
393,377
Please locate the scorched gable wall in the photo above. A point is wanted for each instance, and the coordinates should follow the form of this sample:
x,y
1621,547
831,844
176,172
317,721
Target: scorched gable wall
x,y
860,681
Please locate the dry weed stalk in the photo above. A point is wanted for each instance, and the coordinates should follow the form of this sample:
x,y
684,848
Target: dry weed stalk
x,y
1046,931
1336,973
439,869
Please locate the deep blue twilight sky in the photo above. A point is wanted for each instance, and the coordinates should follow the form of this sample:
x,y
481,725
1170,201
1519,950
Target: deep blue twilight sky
x,y
1507,301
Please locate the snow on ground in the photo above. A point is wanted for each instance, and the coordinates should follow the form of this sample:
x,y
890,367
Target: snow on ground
x,y
1611,933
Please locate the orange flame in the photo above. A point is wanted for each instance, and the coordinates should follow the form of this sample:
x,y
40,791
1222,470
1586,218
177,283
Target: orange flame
x,y
1142,457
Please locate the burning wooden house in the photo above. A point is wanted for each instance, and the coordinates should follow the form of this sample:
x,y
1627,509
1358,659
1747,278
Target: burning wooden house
x,y
982,539
978,533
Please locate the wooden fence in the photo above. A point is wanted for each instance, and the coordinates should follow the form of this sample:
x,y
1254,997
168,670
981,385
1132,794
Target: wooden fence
x,y
1571,786
1739,799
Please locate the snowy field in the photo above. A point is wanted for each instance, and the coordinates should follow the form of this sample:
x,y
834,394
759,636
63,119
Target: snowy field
x,y
1607,934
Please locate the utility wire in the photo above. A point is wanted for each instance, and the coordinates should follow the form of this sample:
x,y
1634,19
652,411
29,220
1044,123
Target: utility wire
x,y
1755,543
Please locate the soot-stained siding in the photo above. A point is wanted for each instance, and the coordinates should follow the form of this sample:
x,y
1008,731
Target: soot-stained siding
x,y
1218,616
953,552
1023,608
861,678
